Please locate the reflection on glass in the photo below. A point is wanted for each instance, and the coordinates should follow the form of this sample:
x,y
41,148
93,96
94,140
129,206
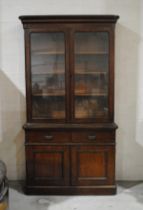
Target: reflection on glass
x,y
48,79
91,74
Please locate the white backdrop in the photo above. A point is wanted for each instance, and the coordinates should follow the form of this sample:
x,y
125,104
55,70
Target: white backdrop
x,y
128,82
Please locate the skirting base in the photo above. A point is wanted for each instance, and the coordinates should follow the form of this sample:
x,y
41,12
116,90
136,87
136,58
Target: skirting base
x,y
74,190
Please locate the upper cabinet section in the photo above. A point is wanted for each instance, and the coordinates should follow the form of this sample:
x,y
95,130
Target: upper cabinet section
x,y
69,68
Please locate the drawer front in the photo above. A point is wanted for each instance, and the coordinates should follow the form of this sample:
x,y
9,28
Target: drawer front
x,y
91,136
48,136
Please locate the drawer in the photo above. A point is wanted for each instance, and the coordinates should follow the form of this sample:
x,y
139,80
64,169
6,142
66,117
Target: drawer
x,y
91,136
48,136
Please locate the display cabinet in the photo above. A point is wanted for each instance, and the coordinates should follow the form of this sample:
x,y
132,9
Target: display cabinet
x,y
70,129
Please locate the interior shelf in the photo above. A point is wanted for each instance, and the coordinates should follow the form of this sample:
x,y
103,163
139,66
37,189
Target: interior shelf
x,y
48,94
48,72
61,72
91,53
47,52
89,72
90,94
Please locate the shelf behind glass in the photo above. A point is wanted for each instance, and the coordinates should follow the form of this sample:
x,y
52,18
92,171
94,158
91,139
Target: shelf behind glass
x,y
49,94
62,72
91,53
46,52
48,72
90,94
78,71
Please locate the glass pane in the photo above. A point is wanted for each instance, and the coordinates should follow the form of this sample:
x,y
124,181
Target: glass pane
x,y
48,75
91,74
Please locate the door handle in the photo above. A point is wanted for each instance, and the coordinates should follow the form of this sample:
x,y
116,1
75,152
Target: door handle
x,y
92,137
49,137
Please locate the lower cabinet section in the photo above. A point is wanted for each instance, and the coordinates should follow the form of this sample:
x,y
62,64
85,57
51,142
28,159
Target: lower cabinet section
x,y
70,169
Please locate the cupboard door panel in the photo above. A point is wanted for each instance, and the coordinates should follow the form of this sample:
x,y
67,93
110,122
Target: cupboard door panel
x,y
48,165
92,165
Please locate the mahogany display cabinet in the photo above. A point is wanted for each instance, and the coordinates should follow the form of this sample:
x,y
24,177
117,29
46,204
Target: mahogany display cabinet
x,y
70,129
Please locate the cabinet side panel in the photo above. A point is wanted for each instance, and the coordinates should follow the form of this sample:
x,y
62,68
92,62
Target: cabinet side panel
x,y
28,74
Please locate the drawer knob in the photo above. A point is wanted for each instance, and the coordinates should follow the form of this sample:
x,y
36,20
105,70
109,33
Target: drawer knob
x,y
92,137
49,137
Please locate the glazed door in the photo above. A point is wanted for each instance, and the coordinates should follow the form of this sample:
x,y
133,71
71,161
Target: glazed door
x,y
91,69
48,75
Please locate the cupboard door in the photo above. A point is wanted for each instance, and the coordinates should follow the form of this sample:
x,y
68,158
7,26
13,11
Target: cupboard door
x,y
47,165
93,165
48,97
91,80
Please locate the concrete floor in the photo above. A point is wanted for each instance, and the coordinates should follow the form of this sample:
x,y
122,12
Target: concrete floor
x,y
129,197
